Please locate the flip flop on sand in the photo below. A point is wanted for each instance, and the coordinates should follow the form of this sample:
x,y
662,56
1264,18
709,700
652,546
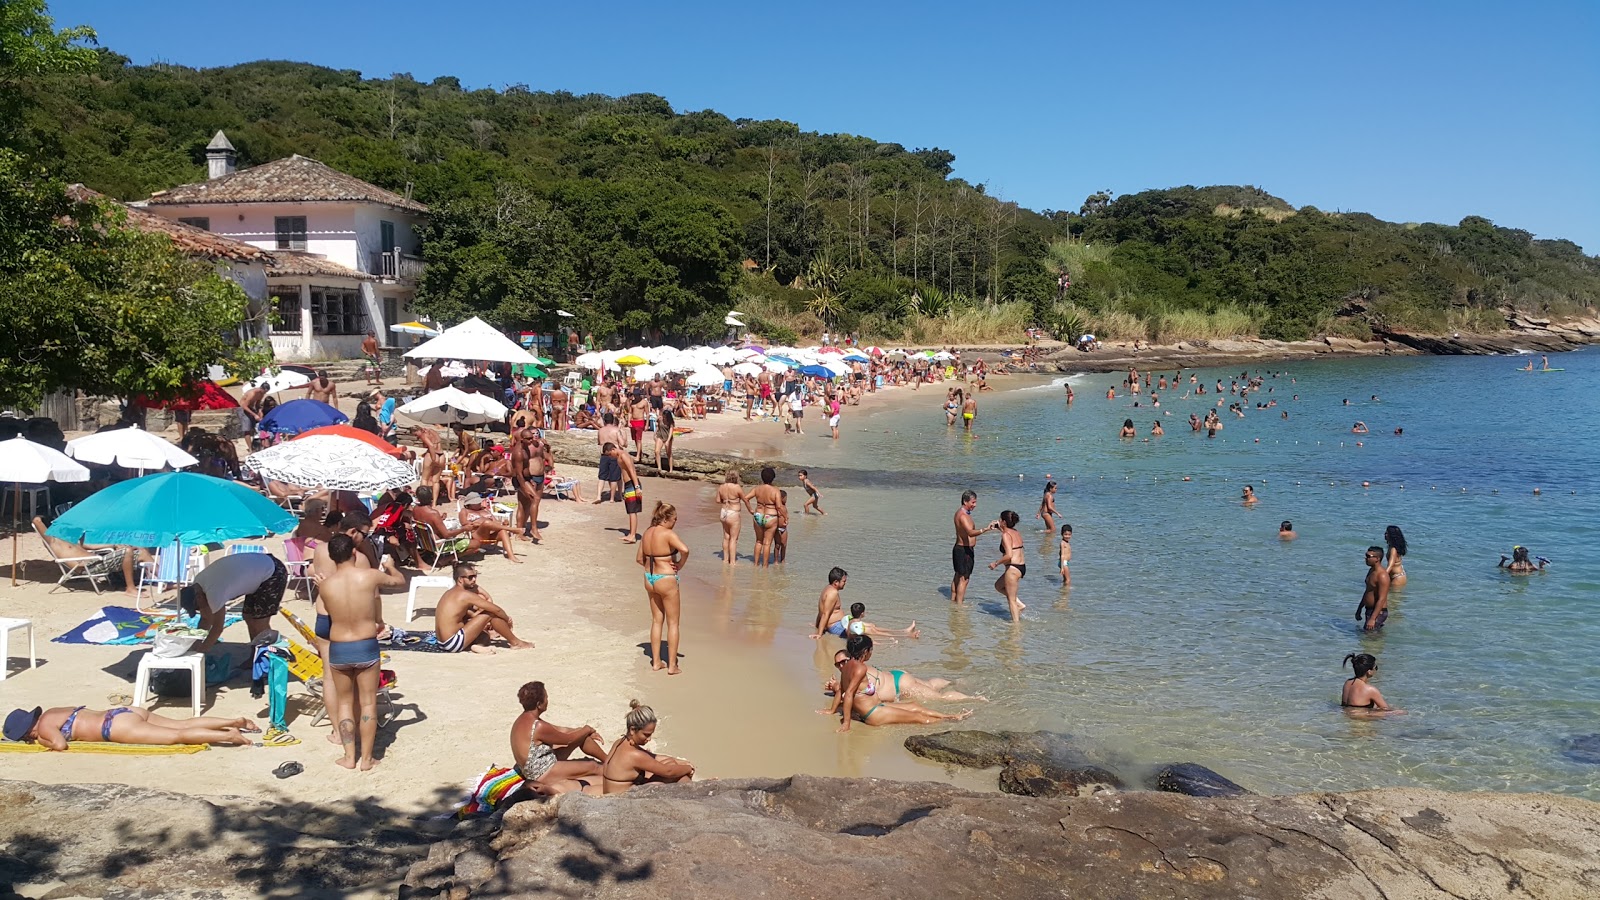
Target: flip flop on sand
x,y
288,769
250,728
277,737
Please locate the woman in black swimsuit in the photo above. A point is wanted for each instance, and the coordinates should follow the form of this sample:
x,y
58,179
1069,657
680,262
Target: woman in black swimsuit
x,y
1016,566
1358,693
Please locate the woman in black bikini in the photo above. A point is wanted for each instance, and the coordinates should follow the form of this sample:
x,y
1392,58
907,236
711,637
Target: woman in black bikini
x,y
1359,695
1016,566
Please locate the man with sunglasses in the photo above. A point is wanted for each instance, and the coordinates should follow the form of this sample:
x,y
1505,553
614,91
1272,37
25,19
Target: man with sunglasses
x,y
466,614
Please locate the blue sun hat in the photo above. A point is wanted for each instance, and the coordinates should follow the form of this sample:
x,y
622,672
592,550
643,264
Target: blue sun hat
x,y
20,722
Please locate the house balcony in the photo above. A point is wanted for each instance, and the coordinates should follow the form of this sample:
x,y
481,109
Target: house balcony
x,y
395,267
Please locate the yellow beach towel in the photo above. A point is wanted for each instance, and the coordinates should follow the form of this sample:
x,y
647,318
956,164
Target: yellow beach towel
x,y
94,747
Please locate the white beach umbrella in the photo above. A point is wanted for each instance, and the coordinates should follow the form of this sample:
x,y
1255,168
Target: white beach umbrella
x,y
722,356
705,378
683,362
856,356
449,405
286,380
748,353
944,355
590,361
24,462
747,368
646,372
473,339
130,448
333,462
776,367
835,366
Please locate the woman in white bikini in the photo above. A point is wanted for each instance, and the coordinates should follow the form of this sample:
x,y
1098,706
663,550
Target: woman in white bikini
x,y
663,554
730,503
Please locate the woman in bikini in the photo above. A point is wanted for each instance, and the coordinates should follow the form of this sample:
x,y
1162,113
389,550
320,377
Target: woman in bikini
x,y
1016,565
900,683
1047,507
543,751
1396,556
858,696
631,764
730,503
1359,695
767,500
663,440
663,554
56,728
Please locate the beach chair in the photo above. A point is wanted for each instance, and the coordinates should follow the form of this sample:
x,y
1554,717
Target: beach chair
x,y
297,559
306,665
94,569
173,567
429,544
237,549
561,488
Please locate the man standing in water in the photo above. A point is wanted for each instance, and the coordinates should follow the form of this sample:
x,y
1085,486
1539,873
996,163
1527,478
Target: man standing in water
x,y
1375,598
963,554
969,411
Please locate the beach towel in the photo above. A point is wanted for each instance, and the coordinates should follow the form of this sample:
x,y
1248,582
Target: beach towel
x,y
488,793
96,747
119,625
400,639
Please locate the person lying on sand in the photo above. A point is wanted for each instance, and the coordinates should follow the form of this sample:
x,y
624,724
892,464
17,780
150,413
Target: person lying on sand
x,y
858,699
59,726
900,683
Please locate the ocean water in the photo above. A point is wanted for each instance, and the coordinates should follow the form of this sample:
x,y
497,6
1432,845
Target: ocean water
x,y
1190,632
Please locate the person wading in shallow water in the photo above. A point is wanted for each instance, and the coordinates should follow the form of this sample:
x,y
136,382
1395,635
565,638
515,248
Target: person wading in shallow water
x,y
1375,597
963,556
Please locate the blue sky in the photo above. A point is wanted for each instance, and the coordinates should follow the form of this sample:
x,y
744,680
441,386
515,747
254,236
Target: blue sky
x,y
1412,111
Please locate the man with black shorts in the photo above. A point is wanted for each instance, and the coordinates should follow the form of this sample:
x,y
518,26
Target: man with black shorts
x,y
963,554
260,578
610,473
632,493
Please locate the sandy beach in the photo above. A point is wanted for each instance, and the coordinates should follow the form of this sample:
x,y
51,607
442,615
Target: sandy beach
x,y
734,711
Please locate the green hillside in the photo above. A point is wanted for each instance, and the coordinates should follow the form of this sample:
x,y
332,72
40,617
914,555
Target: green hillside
x,y
641,218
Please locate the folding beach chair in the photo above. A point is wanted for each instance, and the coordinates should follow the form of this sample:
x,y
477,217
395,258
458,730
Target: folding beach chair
x,y
561,488
297,559
174,566
306,665
429,544
94,568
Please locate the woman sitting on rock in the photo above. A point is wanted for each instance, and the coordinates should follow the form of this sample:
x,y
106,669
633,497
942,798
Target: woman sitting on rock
x,y
631,764
858,696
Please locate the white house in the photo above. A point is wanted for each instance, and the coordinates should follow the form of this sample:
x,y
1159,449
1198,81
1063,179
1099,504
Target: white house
x,y
344,252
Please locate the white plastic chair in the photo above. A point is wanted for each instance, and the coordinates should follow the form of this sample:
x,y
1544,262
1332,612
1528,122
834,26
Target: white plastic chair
x,y
425,581
6,627
195,663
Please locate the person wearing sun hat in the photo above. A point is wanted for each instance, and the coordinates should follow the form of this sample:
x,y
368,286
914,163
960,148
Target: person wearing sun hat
x,y
60,726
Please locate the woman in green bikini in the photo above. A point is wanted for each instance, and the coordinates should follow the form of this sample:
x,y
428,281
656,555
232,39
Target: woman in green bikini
x,y
901,683
859,698
767,500
663,554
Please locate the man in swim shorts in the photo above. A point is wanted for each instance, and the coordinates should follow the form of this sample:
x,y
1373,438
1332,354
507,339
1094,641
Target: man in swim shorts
x,y
830,613
632,493
638,417
610,473
1375,597
355,613
969,411
260,578
963,554
466,613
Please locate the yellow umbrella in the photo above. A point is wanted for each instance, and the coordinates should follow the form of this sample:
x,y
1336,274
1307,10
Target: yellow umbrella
x,y
631,360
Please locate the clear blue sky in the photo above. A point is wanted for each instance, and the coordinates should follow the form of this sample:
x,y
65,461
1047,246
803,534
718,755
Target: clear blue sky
x,y
1411,111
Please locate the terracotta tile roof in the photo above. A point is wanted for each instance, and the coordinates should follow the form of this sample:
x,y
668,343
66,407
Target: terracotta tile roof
x,y
296,179
300,263
188,239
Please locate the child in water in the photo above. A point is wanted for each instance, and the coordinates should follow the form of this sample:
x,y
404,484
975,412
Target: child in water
x,y
1066,553
780,541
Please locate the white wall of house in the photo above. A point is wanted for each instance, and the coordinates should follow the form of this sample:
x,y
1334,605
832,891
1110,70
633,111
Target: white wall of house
x,y
369,219
330,227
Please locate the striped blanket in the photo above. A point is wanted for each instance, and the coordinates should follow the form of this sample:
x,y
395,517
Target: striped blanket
x,y
490,792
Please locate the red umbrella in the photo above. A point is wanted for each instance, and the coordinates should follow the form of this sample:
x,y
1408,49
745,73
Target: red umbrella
x,y
205,395
830,349
346,431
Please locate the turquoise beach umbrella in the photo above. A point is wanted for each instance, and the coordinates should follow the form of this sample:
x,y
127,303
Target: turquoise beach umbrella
x,y
156,510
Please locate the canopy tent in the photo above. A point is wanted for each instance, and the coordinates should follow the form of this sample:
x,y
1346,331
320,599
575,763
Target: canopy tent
x,y
157,510
130,448
450,405
205,395
332,462
24,462
473,339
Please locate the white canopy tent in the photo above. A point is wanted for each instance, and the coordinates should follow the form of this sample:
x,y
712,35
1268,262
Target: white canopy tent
x,y
473,339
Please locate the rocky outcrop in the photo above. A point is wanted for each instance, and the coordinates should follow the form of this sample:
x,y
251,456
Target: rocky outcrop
x,y
1194,780
805,837
579,448
1033,764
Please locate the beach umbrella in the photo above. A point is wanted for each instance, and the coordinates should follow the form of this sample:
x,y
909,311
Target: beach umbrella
x,y
782,361
158,509
473,339
829,349
286,380
757,348
875,351
749,368
631,359
418,328
705,378
835,366
205,395
332,462
544,361
683,363
24,462
749,353
449,369
591,361
944,355
816,371
896,354
450,405
301,415
646,372
857,356
130,448
365,437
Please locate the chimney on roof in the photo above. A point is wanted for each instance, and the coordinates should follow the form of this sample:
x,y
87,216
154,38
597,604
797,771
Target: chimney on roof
x,y
220,157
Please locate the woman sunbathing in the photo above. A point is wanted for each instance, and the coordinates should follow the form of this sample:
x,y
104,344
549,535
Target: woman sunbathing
x,y
897,683
543,751
859,694
57,727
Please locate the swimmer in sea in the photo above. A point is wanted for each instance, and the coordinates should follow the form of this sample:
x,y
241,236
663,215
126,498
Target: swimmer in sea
x,y
1395,559
969,411
1359,428
1111,393
1521,562
1066,553
1248,496
1374,606
1286,531
858,698
814,500
1047,507
1358,694
1194,422
902,684
1156,430
1128,430
1011,556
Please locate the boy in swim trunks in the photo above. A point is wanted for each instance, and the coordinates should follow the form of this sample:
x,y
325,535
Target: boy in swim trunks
x,y
632,494
1375,598
780,541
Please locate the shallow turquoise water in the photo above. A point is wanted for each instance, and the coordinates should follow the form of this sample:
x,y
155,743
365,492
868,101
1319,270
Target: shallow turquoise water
x,y
1190,631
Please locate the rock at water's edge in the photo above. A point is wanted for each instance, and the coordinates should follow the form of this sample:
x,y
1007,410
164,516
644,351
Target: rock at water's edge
x,y
1194,780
